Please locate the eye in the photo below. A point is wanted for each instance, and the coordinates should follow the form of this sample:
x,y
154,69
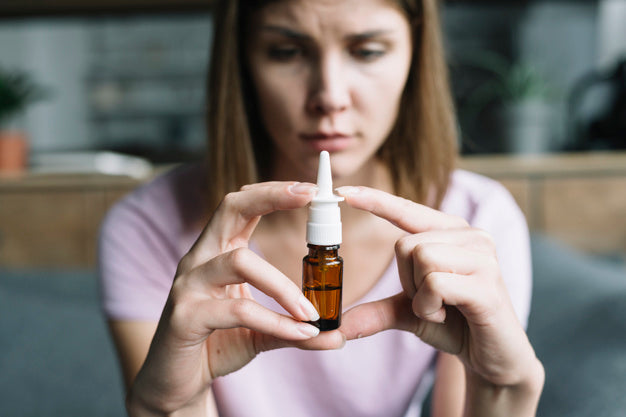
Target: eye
x,y
284,53
369,52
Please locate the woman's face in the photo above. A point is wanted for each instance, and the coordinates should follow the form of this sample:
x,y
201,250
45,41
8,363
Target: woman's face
x,y
328,76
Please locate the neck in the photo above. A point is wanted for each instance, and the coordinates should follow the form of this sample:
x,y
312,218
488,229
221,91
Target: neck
x,y
374,174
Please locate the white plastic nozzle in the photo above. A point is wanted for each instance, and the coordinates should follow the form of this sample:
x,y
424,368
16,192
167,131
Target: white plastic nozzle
x,y
324,225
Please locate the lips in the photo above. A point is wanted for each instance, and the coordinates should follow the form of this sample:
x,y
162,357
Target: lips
x,y
327,141
324,135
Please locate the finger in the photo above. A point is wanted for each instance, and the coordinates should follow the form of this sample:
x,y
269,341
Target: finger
x,y
238,214
265,184
396,313
329,340
238,291
239,208
428,303
245,291
477,300
241,266
407,215
470,238
370,318
242,312
425,258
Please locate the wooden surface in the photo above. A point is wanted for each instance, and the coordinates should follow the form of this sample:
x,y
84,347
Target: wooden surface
x,y
560,165
53,221
589,213
579,198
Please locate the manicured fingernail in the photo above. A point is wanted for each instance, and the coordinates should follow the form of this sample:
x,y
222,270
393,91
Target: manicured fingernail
x,y
307,308
303,188
308,329
347,190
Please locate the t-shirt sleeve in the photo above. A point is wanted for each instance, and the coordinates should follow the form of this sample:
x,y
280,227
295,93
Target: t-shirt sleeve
x,y
499,214
136,262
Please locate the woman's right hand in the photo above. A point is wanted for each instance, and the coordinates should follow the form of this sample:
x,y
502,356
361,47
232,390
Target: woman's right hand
x,y
211,325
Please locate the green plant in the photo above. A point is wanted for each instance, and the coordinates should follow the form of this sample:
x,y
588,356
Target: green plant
x,y
507,82
504,83
17,91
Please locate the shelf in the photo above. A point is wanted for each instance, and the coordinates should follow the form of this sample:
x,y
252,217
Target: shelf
x,y
577,198
553,165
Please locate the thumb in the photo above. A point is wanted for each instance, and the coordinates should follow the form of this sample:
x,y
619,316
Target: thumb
x,y
324,341
396,312
370,318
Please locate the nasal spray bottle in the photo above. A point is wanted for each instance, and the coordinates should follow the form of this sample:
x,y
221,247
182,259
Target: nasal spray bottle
x,y
322,268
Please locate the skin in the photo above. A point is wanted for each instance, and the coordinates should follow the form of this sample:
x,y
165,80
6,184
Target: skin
x,y
310,73
328,66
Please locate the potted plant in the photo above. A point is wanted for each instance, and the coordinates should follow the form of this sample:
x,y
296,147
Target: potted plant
x,y
516,97
17,92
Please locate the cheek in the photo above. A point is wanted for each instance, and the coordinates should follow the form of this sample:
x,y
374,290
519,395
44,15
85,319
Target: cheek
x,y
278,102
379,100
393,77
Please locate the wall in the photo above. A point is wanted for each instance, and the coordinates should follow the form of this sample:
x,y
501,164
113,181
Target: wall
x,y
89,64
558,39
54,53
133,83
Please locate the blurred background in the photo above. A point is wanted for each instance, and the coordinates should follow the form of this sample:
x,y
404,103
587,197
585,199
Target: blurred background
x,y
98,97
130,78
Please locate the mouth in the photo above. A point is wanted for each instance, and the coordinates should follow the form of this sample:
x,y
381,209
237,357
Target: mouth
x,y
328,141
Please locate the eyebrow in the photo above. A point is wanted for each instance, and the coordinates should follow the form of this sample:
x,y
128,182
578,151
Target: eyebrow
x,y
292,34
288,33
364,36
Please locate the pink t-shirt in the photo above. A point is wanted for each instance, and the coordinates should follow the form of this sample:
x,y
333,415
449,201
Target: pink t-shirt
x,y
144,236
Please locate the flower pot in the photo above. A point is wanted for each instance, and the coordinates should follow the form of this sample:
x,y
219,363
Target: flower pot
x,y
13,152
524,128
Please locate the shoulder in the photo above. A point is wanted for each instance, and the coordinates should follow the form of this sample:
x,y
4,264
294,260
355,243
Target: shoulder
x,y
142,239
476,198
169,202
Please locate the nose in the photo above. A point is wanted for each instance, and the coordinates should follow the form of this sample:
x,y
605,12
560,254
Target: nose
x,y
329,92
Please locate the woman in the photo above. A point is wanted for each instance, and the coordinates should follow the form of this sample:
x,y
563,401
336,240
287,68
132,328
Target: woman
x,y
426,287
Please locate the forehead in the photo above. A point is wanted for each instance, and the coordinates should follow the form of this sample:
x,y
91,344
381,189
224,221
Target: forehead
x,y
331,16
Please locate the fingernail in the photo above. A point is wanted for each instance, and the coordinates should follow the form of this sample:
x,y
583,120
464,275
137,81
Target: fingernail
x,y
347,190
308,329
302,188
308,309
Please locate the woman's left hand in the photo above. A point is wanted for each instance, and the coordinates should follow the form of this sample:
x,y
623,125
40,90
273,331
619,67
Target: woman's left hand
x,y
453,295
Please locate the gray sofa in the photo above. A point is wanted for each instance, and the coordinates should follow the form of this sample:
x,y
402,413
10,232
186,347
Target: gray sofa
x,y
57,360
578,328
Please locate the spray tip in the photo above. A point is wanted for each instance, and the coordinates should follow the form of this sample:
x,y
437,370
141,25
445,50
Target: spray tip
x,y
325,181
324,224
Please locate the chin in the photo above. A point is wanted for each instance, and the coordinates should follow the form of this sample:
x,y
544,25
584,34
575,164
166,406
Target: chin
x,y
346,166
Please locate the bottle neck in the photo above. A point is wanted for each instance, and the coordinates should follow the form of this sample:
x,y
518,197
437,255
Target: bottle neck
x,y
323,251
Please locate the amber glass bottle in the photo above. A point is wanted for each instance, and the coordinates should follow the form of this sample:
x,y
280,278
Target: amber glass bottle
x,y
322,276
322,268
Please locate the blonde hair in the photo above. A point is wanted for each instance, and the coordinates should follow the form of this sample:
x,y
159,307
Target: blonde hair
x,y
420,151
